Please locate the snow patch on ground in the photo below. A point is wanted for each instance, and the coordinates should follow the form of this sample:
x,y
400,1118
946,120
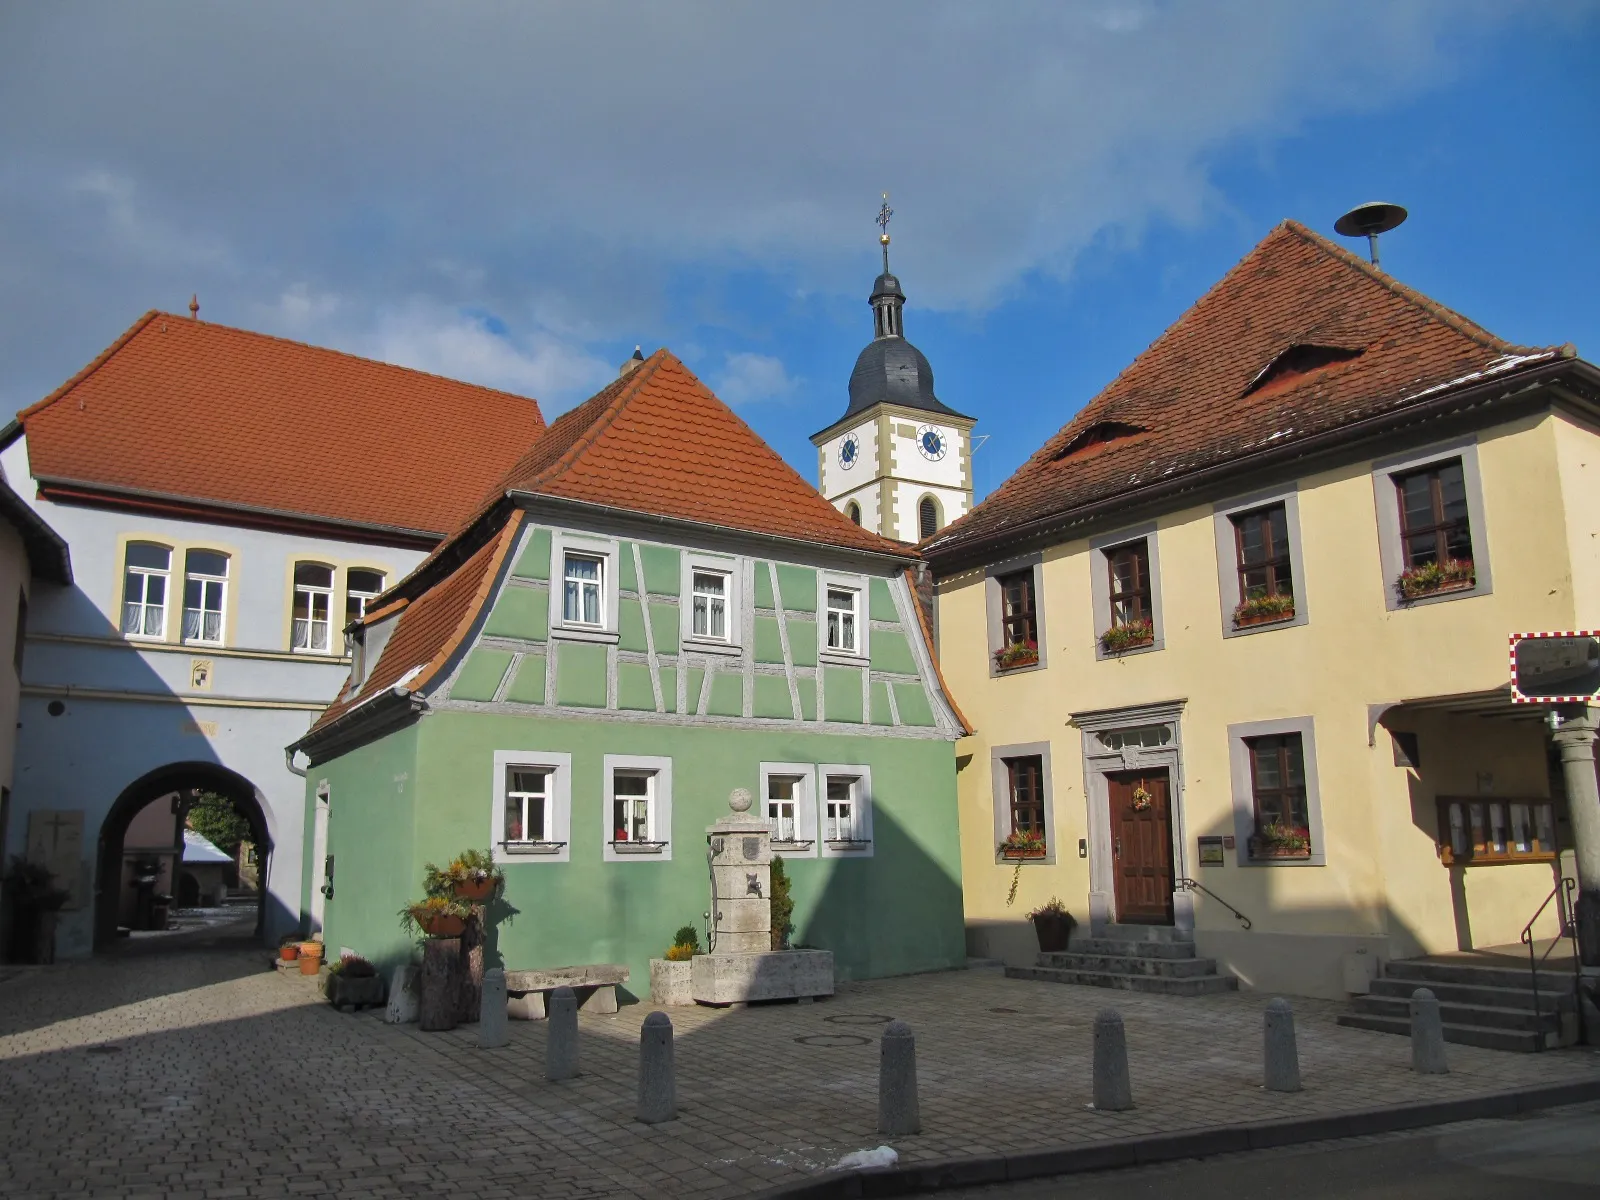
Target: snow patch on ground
x,y
883,1156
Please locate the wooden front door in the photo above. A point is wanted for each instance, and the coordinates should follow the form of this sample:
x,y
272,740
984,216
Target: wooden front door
x,y
1141,846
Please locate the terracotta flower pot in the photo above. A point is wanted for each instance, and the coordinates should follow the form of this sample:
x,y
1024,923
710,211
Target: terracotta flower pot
x,y
476,891
1017,852
1266,618
310,958
444,927
289,953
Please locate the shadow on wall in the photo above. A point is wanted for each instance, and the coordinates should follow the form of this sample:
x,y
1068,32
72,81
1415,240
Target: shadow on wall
x,y
119,756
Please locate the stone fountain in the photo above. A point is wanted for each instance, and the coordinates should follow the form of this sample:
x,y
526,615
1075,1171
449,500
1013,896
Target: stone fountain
x,y
742,965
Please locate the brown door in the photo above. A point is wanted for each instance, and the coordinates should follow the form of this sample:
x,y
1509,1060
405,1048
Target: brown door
x,y
1141,846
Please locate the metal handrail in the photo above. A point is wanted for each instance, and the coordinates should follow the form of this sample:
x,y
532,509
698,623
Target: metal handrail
x,y
1185,884
1566,917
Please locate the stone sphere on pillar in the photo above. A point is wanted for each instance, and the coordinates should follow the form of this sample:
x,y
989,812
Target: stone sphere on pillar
x,y
740,800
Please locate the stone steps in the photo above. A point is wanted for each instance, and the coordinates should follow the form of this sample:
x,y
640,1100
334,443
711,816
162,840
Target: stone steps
x,y
1522,1041
1166,985
1122,946
1128,964
1486,1006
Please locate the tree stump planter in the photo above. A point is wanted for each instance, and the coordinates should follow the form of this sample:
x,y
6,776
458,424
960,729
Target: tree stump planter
x,y
469,978
441,986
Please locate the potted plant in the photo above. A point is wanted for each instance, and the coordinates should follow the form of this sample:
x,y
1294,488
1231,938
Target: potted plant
x,y
35,901
672,975
1263,610
1451,575
310,957
436,917
1019,846
1276,840
1052,923
289,947
354,983
475,876
1130,636
1018,654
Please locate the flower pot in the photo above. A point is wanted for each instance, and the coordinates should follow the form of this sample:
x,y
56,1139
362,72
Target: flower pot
x,y
289,953
1244,622
476,891
310,958
1271,850
1018,852
1418,593
444,927
1053,930
1015,661
354,991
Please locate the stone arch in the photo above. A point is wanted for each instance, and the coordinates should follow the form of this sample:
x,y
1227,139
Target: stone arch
x,y
853,511
174,777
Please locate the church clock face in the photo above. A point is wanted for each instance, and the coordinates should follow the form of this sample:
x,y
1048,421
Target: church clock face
x,y
849,451
931,443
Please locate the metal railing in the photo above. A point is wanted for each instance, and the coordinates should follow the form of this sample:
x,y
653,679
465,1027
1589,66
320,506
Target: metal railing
x,y
1184,884
1566,917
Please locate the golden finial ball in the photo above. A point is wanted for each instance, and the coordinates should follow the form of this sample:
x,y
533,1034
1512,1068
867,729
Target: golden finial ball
x,y
884,238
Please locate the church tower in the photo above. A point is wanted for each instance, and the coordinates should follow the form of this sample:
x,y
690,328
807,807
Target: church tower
x,y
898,461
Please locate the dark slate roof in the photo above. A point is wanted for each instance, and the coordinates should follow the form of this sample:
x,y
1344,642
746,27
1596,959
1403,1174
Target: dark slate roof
x,y
893,371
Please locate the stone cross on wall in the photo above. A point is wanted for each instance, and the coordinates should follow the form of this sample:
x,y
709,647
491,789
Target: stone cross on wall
x,y
55,841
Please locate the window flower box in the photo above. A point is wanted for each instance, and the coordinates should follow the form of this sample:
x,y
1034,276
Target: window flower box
x,y
624,846
1451,575
532,847
1019,654
1263,610
1024,843
793,845
1280,841
848,844
1131,636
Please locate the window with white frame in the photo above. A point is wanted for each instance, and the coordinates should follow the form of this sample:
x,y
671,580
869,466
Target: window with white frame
x,y
532,815
147,570
710,601
638,807
788,796
313,608
583,590
843,619
205,587
845,808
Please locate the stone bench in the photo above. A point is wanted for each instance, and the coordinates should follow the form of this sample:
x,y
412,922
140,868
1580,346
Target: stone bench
x,y
595,985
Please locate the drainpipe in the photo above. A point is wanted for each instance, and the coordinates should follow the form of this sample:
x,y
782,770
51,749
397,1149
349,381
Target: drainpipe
x,y
288,761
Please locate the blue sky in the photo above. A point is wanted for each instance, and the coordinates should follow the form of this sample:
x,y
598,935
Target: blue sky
x,y
518,195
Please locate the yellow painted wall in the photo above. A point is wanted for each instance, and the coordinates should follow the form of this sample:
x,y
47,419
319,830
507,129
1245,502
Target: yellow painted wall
x,y
1383,878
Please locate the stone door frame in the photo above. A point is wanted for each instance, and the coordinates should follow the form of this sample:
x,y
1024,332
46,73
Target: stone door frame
x,y
1098,762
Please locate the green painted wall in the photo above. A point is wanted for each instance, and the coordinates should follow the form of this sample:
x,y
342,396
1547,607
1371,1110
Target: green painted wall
x,y
798,587
481,675
372,840
763,580
664,625
528,685
661,569
803,642
534,562
891,652
520,612
426,793
727,695
769,643
771,698
630,625
633,687
581,674
841,691
881,604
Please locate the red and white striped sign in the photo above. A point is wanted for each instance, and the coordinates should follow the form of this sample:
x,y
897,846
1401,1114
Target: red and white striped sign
x,y
1555,668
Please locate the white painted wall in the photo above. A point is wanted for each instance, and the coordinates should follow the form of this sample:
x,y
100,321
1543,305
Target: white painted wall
x,y
132,707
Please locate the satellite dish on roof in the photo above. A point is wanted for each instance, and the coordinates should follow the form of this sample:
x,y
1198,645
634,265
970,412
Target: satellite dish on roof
x,y
1368,221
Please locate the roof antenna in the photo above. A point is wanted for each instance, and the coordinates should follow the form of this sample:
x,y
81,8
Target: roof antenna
x,y
1368,221
884,214
194,307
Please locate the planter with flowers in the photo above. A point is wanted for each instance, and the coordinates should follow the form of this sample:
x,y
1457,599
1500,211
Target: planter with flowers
x,y
1276,840
1263,610
474,876
1451,575
1018,654
354,983
672,975
1053,925
1021,845
1130,636
436,917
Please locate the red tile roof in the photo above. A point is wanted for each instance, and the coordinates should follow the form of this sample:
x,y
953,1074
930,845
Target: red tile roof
x,y
184,408
1233,376
431,628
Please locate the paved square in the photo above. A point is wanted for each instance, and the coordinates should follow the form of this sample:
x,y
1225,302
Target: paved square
x,y
200,1073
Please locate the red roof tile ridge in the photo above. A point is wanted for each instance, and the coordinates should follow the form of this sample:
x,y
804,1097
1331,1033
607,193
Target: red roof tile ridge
x,y
486,585
93,365
600,422
1439,312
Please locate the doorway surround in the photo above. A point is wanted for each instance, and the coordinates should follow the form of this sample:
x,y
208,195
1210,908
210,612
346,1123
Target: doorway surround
x,y
1108,748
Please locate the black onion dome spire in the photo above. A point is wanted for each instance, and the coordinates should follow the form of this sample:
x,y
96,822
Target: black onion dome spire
x,y
891,370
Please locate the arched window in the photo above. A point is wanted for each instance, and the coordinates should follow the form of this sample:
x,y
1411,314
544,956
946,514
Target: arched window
x,y
928,516
313,606
853,511
146,572
205,586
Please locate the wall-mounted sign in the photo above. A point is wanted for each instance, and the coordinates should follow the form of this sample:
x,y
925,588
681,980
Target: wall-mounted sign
x,y
1555,668
1211,852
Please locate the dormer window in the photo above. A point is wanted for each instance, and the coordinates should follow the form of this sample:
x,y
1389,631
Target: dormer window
x,y
1100,435
1299,360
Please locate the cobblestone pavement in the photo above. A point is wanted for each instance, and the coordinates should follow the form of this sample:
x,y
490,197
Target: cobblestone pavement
x,y
180,1071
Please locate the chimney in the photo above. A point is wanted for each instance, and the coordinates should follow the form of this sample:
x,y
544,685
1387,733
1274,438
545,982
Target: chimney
x,y
625,368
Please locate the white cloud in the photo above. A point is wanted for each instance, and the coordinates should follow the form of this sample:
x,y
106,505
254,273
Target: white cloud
x,y
751,378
